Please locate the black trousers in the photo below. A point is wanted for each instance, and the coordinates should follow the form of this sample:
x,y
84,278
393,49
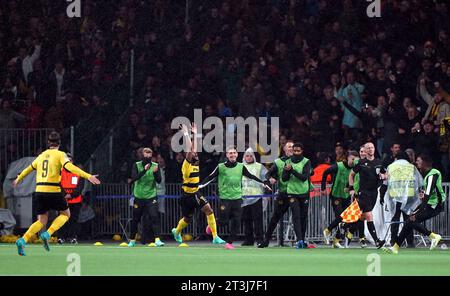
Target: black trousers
x,y
299,209
147,211
71,228
230,215
415,221
395,226
252,216
339,205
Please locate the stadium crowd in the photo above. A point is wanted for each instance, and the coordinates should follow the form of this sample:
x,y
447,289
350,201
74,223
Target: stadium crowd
x,y
331,73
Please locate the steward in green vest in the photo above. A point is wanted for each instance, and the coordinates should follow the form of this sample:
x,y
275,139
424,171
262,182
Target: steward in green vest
x,y
230,176
339,173
433,200
339,196
144,176
296,173
274,175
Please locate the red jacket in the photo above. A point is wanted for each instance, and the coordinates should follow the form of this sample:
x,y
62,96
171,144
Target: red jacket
x,y
69,183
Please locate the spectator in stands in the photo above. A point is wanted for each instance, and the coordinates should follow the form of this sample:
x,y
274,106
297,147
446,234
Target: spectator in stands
x,y
437,108
351,91
8,117
339,151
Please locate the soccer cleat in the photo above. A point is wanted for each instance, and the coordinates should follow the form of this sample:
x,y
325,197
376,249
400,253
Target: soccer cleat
x,y
229,246
45,237
435,240
348,239
217,240
327,236
264,244
159,243
390,250
176,236
20,243
60,241
363,243
208,230
336,244
380,244
74,241
152,245
132,243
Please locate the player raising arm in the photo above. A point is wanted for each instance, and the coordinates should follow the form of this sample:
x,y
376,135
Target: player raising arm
x,y
48,166
191,198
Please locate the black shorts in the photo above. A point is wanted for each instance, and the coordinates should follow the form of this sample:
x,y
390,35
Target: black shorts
x,y
45,202
367,200
191,201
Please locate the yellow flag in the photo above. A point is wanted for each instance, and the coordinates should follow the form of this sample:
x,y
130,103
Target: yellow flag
x,y
352,213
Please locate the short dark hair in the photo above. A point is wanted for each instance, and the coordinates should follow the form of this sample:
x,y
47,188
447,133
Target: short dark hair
x,y
298,144
322,157
54,139
426,158
402,155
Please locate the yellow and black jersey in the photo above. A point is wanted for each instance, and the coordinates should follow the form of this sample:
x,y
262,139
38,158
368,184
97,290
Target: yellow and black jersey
x,y
48,166
191,177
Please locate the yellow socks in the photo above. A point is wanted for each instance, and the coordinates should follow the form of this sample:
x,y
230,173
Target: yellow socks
x,y
34,228
212,224
57,224
181,225
432,235
157,239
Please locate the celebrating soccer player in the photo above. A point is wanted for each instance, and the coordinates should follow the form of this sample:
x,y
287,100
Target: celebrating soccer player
x,y
281,204
230,176
191,198
339,195
48,166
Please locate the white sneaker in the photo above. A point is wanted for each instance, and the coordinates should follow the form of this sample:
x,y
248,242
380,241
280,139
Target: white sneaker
x,y
347,242
337,245
435,241
390,250
326,236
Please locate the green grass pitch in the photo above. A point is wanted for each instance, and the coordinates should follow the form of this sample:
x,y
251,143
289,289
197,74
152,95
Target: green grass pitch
x,y
205,259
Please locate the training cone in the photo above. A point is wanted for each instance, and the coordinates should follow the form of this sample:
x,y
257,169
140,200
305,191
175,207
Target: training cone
x,y
124,244
183,245
152,245
98,244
